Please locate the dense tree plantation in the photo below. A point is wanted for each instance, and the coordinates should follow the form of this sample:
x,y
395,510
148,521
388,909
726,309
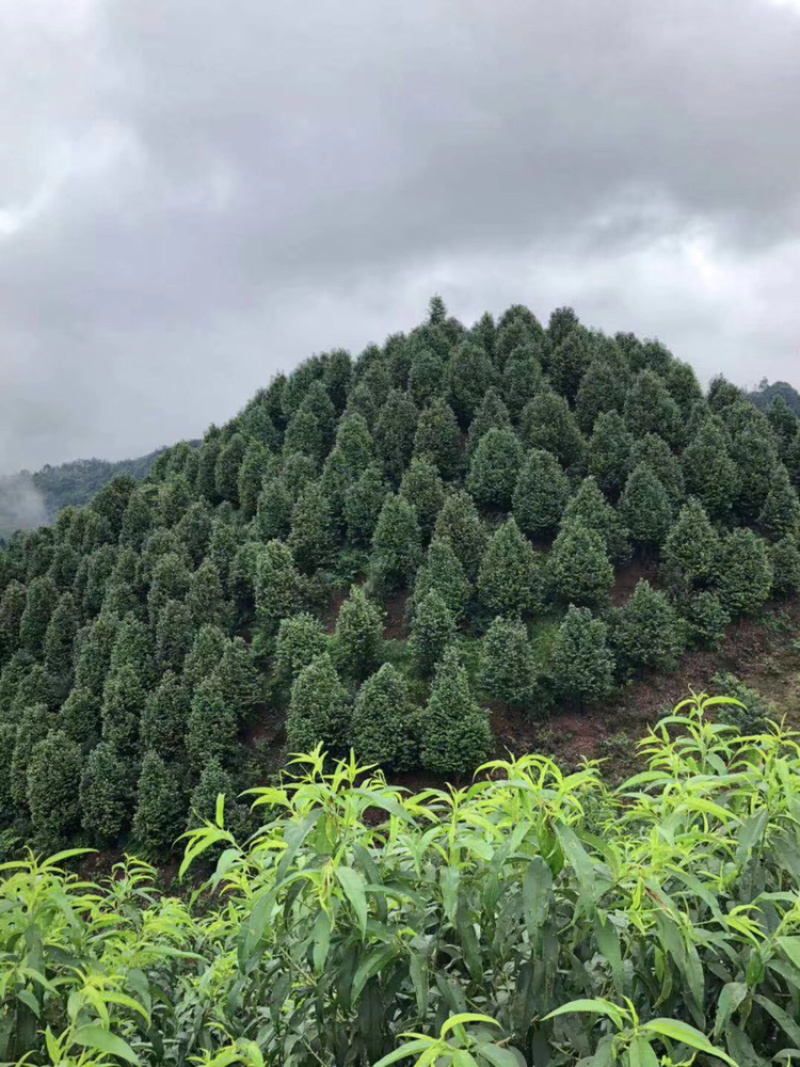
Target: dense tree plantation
x,y
178,635
533,917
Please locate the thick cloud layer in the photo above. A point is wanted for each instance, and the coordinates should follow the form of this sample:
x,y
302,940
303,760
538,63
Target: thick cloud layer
x,y
194,196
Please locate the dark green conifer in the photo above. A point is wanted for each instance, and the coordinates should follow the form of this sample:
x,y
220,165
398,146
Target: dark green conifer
x,y
582,663
174,635
106,794
579,568
277,586
384,721
59,641
79,718
467,376
646,631
507,664
645,508
438,439
311,538
363,501
300,640
691,550
744,577
459,524
548,423
396,544
54,777
166,716
211,727
590,508
423,489
785,559
442,571
394,432
510,578
709,472
602,389
318,713
121,711
40,605
455,732
541,493
610,451
432,631
160,808
359,635
495,468
780,515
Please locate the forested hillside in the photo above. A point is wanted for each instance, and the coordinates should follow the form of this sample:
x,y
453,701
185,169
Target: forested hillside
x,y
28,500
383,553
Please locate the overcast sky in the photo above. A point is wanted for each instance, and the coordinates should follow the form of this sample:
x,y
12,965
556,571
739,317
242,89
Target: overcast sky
x,y
195,194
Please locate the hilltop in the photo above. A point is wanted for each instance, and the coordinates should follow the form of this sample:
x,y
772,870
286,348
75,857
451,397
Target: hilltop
x,y
447,546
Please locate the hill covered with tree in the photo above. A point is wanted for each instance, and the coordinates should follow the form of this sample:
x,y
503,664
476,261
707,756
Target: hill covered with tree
x,y
29,500
484,487
769,393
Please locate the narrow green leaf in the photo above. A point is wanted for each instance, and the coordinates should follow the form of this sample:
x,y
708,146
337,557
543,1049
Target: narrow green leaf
x,y
97,1037
536,886
596,1006
730,998
402,1053
676,1030
353,886
640,1053
786,1023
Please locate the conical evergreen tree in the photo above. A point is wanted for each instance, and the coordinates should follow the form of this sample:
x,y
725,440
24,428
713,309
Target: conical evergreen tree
x,y
274,510
121,711
510,580
709,472
359,635
205,599
312,537
425,376
423,489
59,640
647,632
40,605
165,717
250,479
745,575
383,721
492,414
507,664
602,390
569,360
582,663
432,631
79,718
438,439
522,379
277,586
653,450
467,376
54,776
691,550
33,726
495,468
207,650
650,409
579,568
442,571
455,732
590,508
317,710
645,508
541,493
394,433
12,608
211,728
174,636
300,640
160,808
548,423
363,502
610,451
396,545
780,516
459,524
106,794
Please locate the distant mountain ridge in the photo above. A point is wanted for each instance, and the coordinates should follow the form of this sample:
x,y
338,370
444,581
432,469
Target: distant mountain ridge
x,y
767,392
29,500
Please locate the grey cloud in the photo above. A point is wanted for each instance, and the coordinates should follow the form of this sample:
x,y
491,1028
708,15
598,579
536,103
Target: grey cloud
x,y
223,190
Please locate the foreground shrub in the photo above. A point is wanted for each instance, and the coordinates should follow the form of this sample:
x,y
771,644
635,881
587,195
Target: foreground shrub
x,y
656,923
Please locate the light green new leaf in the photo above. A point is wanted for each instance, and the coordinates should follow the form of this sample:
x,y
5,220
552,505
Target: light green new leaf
x,y
104,1041
353,886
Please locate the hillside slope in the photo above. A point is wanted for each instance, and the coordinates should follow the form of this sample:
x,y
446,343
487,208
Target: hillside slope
x,y
380,552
